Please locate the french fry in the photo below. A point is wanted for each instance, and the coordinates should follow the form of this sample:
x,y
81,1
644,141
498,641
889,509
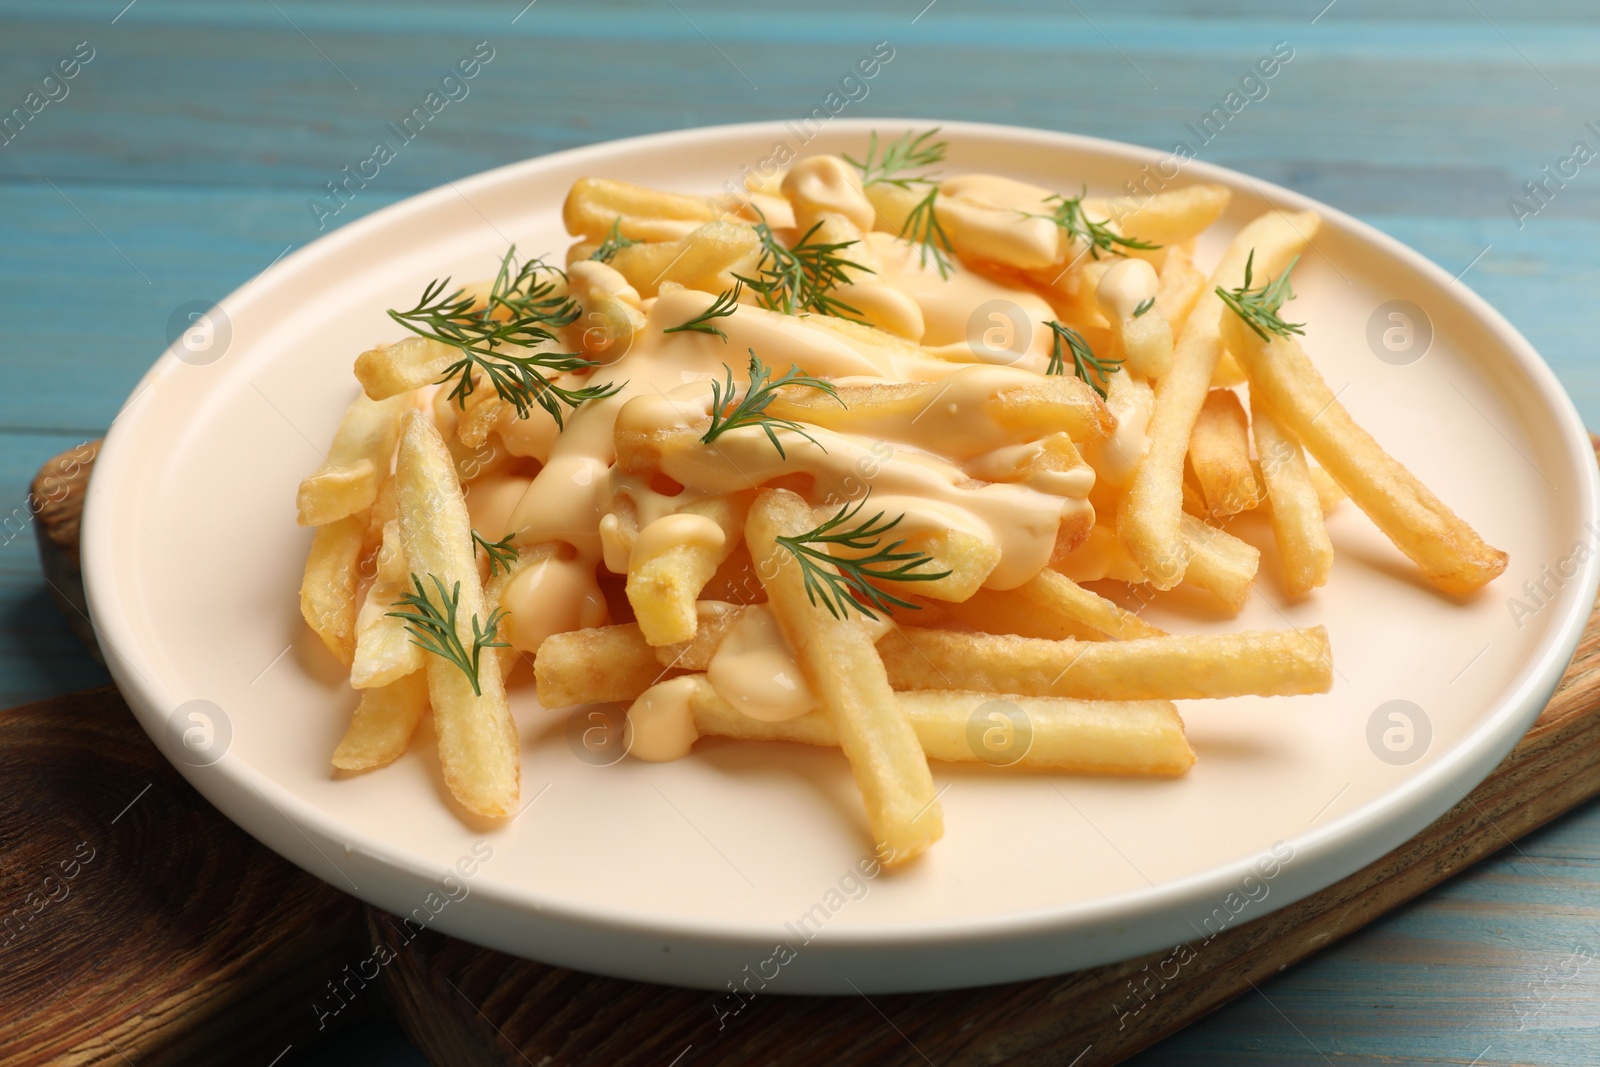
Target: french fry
x,y
1305,554
478,745
1181,285
1066,736
357,462
1219,450
384,720
328,589
389,370
384,650
671,563
716,618
1194,666
1149,514
1172,217
1449,552
1052,595
839,663
640,214
600,665
706,258
1219,562
1147,342
1102,555
1329,495
1023,410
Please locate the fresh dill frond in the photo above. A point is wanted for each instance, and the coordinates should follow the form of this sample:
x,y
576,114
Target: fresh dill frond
x,y
727,413
1144,305
613,243
723,306
1085,364
799,279
1069,215
501,553
433,627
1259,307
922,229
844,582
910,151
521,312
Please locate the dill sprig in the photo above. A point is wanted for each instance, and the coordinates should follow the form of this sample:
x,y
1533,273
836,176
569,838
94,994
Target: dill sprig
x,y
1069,215
922,228
845,584
910,151
433,627
500,553
529,310
613,243
1085,364
751,409
723,306
1144,305
1259,307
798,279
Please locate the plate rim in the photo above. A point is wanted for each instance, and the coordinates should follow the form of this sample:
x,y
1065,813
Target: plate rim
x,y
1347,842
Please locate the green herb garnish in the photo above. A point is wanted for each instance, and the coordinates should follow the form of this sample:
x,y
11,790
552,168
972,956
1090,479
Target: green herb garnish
x,y
500,553
433,627
797,280
532,310
1259,307
613,243
751,409
1085,364
844,582
910,151
723,306
1069,215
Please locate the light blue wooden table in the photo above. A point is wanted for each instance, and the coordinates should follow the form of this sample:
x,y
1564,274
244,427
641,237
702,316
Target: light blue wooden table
x,y
179,158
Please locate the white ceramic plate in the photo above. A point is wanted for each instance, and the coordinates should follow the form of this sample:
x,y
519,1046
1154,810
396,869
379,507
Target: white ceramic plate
x,y
691,871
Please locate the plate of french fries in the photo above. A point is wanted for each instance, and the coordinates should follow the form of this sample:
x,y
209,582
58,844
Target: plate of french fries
x,y
925,556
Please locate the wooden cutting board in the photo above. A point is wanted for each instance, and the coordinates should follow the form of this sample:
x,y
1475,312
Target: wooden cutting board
x,y
140,925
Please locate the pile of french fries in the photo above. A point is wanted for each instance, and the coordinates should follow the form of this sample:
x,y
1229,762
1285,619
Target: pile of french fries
x,y
1195,417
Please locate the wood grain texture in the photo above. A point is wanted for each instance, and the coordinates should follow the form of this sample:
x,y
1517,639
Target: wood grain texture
x,y
138,925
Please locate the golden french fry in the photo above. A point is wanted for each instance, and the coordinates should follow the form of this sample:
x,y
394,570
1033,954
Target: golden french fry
x,y
672,560
1174,216
892,205
1263,663
384,650
1102,555
1052,595
1067,736
602,664
715,619
1305,554
1219,450
1449,552
1181,285
1018,409
1149,514
594,204
356,464
384,720
478,745
843,669
1219,562
1147,342
328,589
390,370
1329,495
